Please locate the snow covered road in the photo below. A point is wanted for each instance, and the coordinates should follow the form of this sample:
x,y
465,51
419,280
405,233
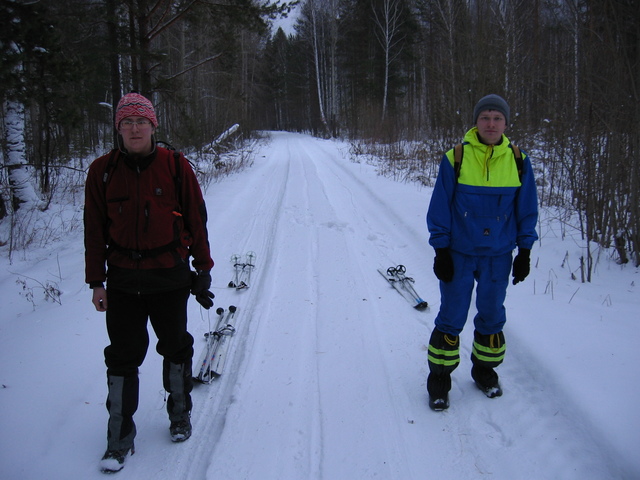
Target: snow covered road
x,y
326,377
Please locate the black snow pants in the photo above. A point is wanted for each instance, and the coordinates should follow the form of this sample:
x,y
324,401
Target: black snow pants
x,y
127,316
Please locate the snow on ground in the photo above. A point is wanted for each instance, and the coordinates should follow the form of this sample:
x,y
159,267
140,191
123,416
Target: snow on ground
x,y
326,377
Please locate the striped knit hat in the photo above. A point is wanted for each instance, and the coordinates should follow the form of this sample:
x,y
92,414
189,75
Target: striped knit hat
x,y
135,105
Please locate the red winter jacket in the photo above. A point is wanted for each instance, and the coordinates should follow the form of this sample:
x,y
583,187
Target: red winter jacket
x,y
135,223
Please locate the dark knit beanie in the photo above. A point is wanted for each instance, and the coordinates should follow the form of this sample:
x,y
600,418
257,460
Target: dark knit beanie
x,y
491,102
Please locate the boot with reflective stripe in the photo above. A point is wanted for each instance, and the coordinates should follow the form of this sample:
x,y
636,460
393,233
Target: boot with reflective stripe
x,y
443,357
444,352
488,352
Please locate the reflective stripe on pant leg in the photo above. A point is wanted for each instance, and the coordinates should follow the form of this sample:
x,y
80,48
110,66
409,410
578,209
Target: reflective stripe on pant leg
x,y
444,352
488,350
122,403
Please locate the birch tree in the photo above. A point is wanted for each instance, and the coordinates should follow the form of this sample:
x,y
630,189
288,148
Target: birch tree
x,y
317,40
388,22
23,192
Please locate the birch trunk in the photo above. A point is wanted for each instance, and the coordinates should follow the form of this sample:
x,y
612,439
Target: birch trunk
x,y
23,193
316,58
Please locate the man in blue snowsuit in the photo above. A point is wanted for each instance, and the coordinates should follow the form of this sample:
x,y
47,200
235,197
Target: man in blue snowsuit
x,y
477,216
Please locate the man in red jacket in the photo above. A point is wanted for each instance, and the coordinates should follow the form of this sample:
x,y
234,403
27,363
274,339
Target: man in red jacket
x,y
144,217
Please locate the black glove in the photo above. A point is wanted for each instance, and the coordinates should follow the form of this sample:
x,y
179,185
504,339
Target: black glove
x,y
200,283
521,265
443,265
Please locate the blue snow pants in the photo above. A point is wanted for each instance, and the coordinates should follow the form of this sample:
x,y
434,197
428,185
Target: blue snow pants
x,y
492,277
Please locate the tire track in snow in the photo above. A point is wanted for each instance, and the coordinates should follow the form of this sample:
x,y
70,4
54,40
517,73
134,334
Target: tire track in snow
x,y
361,331
348,399
258,234
269,391
335,403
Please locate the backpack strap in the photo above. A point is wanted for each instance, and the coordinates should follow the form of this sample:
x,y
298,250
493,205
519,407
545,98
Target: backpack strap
x,y
177,179
111,164
458,153
518,159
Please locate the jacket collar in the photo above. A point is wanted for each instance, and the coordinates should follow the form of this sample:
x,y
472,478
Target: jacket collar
x,y
472,138
139,163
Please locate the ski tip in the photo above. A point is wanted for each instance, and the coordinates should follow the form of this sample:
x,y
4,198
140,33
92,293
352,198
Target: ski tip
x,y
232,308
219,310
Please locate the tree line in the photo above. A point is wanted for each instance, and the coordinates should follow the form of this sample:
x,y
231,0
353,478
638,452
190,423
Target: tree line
x,y
386,71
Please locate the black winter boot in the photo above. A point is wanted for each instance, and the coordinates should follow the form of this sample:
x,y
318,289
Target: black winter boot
x,y
438,387
114,460
486,380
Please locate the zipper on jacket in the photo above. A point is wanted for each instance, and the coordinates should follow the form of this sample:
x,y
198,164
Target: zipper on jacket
x,y
489,160
146,216
137,206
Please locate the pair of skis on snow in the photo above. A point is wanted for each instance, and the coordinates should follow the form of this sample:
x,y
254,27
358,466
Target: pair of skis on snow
x,y
215,354
397,278
216,351
242,270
